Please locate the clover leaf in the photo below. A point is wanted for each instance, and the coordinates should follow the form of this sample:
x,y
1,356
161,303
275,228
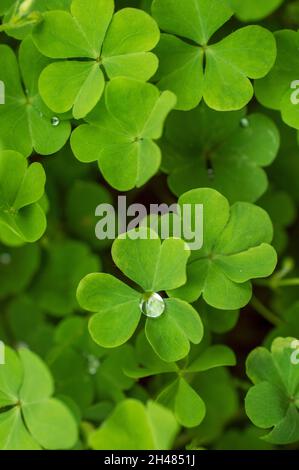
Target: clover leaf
x,y
194,157
194,69
218,392
273,400
25,121
282,210
29,325
171,324
134,426
179,395
236,248
29,417
278,90
17,267
288,326
252,10
22,219
83,198
217,321
91,32
65,264
121,131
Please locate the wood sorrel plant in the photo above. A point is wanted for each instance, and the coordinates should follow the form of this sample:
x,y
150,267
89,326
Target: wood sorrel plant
x,y
132,343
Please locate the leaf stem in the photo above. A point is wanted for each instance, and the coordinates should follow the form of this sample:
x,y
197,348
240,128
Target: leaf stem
x,y
265,312
288,282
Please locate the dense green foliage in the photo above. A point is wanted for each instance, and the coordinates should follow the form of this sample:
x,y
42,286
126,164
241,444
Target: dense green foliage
x,y
143,342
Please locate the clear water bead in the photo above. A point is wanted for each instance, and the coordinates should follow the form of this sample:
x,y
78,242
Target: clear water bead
x,y
5,258
152,305
55,121
244,122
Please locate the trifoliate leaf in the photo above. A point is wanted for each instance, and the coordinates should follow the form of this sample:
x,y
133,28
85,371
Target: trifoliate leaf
x,y
171,323
223,81
236,249
121,132
46,421
92,32
21,187
26,123
273,400
204,148
279,89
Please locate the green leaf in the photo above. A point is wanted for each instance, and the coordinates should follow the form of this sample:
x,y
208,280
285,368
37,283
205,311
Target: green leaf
x,y
84,84
35,418
161,266
203,148
21,187
252,10
25,121
11,375
218,321
236,249
65,264
276,90
247,52
51,424
281,208
17,268
170,335
92,32
214,356
29,325
197,20
121,133
82,199
117,307
13,433
224,82
132,426
273,400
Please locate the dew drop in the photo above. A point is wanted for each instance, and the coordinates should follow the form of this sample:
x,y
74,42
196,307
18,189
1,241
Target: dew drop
x,y
5,258
55,121
244,123
93,364
152,305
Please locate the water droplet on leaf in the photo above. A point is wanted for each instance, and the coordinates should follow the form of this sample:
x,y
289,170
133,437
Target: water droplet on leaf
x,y
55,121
152,305
93,364
5,258
244,123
